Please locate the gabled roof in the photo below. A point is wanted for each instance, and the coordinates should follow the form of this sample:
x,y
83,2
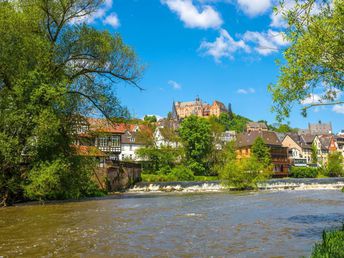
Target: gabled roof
x,y
247,139
131,138
308,138
299,140
105,126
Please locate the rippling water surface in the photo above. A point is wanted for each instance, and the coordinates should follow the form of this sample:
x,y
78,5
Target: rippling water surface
x,y
265,224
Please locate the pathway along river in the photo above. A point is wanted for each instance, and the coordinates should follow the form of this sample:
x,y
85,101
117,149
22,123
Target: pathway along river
x,y
264,224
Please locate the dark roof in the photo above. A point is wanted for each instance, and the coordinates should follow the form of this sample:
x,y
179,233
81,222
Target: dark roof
x,y
300,140
247,139
308,138
325,141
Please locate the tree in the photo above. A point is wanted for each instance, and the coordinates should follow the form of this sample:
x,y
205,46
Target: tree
x,y
245,173
53,70
314,154
335,164
314,61
261,151
150,119
196,138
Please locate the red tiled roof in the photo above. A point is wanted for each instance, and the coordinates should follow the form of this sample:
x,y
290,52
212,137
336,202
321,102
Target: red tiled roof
x,y
90,151
104,126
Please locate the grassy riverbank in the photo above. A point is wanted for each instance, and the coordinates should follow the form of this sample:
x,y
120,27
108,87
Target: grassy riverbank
x,y
332,245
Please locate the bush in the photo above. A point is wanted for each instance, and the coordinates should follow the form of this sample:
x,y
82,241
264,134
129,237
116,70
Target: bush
x,y
182,173
244,173
334,166
332,245
303,172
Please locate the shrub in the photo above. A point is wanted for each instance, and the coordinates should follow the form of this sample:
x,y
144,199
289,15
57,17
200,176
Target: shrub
x,y
245,173
303,172
335,164
182,173
332,245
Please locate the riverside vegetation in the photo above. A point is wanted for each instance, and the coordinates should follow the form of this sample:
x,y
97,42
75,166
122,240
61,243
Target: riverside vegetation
x,y
54,70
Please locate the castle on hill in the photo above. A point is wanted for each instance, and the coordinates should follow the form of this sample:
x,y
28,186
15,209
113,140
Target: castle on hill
x,y
199,108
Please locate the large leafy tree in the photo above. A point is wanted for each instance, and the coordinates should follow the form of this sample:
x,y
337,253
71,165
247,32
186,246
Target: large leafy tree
x,y
196,137
53,69
314,61
261,151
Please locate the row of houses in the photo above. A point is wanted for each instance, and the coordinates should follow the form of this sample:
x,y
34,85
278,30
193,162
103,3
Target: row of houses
x,y
120,142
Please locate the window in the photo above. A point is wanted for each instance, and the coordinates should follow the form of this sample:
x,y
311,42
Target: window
x,y
102,141
115,141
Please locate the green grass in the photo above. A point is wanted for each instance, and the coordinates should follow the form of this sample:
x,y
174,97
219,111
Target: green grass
x,y
332,245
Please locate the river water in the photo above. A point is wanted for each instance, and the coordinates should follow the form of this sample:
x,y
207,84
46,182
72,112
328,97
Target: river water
x,y
258,224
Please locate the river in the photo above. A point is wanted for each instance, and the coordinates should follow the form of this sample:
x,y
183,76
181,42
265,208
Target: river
x,y
256,224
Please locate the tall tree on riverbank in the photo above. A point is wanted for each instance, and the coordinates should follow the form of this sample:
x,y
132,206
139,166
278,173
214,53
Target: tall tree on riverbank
x,y
313,71
261,152
53,69
195,134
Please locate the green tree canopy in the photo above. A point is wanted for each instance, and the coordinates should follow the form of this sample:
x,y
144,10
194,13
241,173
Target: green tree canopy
x,y
335,164
53,71
150,119
314,60
196,137
261,151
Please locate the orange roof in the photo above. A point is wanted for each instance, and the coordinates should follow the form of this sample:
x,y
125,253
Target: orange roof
x,y
104,126
89,151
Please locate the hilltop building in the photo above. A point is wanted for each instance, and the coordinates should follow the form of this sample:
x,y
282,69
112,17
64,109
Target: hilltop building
x,y
256,127
199,108
317,128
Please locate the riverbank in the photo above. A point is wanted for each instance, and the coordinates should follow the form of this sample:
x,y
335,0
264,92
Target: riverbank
x,y
216,186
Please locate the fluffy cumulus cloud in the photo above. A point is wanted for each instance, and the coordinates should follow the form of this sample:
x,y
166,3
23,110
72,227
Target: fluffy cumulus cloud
x,y
175,85
311,99
204,17
246,91
265,43
112,20
338,109
224,46
101,15
254,7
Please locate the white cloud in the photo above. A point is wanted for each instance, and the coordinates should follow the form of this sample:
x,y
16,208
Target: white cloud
x,y
311,99
254,7
338,109
99,15
246,91
223,46
265,42
277,19
112,20
175,85
205,17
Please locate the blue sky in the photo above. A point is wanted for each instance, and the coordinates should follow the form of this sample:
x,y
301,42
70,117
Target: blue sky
x,y
215,49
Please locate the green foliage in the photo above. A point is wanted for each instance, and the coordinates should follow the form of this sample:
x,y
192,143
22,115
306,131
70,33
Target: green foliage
x,y
53,71
314,60
223,156
233,122
335,164
182,173
195,134
332,245
244,173
159,160
304,172
150,119
261,151
58,180
314,154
